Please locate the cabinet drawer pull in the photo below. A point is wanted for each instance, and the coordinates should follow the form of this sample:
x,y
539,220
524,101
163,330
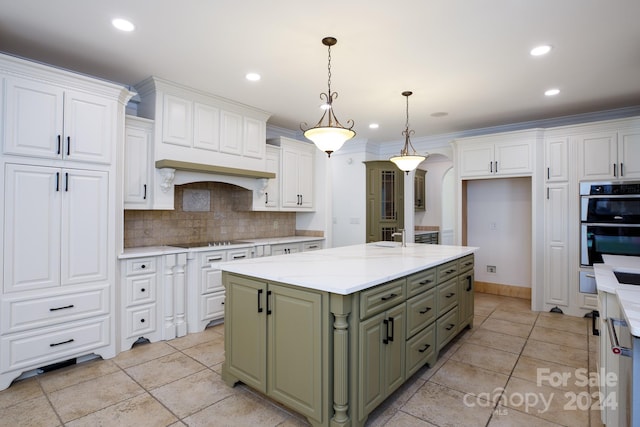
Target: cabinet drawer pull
x,y
385,340
425,282
450,271
392,328
68,145
259,301
496,166
423,349
66,181
450,294
266,198
214,258
468,263
312,247
60,343
61,308
239,256
57,181
59,144
469,283
388,297
426,310
143,290
141,320
143,266
621,169
268,302
450,327
144,197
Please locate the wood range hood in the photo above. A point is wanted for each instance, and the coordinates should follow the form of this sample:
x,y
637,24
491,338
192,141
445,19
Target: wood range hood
x,y
186,172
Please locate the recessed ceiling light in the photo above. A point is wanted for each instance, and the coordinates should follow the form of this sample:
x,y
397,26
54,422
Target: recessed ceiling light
x,y
552,92
374,126
439,114
254,77
540,50
123,24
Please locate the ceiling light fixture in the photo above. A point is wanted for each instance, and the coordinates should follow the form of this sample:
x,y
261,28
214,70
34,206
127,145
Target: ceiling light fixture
x,y
405,161
123,24
331,136
552,92
540,50
253,77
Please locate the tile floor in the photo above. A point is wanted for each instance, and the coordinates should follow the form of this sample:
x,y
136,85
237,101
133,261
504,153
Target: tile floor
x,y
500,373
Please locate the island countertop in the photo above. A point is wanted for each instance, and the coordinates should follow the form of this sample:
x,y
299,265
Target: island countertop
x,y
347,269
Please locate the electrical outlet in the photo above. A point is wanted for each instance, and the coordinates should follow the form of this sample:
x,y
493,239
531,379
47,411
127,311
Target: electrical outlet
x,y
491,268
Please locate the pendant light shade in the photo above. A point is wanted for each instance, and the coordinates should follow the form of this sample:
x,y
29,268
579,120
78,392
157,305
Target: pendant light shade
x,y
329,134
407,161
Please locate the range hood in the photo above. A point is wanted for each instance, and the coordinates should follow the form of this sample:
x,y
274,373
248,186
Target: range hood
x,y
218,170
187,172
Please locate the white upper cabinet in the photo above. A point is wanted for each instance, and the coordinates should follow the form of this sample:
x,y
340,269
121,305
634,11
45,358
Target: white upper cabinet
x,y
556,159
267,198
137,163
508,154
296,179
198,127
47,121
609,155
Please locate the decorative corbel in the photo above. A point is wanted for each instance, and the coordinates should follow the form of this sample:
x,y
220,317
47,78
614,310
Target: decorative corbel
x,y
167,175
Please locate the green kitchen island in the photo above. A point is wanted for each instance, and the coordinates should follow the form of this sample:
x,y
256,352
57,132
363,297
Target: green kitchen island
x,y
332,333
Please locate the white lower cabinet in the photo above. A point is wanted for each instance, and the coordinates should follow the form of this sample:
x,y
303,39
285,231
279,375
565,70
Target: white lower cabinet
x,y
153,290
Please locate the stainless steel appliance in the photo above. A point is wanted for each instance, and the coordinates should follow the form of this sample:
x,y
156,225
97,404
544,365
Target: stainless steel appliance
x,y
609,220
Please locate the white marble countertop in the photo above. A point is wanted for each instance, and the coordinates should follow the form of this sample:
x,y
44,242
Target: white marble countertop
x,y
348,269
628,295
278,240
150,251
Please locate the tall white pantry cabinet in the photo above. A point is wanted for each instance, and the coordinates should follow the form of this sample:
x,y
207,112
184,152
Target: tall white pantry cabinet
x,y
61,135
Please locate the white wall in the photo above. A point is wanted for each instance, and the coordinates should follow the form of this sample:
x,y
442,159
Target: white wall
x,y
436,166
499,223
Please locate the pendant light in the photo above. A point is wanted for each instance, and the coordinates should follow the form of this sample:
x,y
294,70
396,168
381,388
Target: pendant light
x,y
405,161
331,136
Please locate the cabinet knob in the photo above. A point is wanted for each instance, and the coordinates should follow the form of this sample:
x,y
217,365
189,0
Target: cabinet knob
x,y
143,266
143,290
141,320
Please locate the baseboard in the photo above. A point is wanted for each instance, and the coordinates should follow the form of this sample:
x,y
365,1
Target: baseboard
x,y
503,290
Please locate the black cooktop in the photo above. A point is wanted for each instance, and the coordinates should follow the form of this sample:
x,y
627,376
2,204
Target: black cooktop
x,y
208,244
627,278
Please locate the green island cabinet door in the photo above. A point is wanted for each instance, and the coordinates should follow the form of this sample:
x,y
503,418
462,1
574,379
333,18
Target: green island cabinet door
x,y
381,357
274,342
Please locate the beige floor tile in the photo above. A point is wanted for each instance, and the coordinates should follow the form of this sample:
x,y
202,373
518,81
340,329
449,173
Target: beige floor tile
x,y
189,340
30,412
139,411
516,304
143,353
492,339
241,410
478,320
383,413
443,406
578,325
84,398
193,393
20,391
556,353
486,358
508,314
507,417
544,402
208,353
552,374
71,375
471,379
507,327
173,367
557,336
402,419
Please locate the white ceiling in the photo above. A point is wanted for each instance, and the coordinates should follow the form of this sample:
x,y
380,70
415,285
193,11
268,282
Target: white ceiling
x,y
469,58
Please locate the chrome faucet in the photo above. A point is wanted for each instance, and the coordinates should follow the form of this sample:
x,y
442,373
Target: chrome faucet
x,y
404,237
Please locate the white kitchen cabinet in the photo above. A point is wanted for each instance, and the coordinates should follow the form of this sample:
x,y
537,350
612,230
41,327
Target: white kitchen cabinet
x,y
197,127
138,188
556,159
61,218
297,173
499,155
286,248
56,227
609,155
139,308
556,245
267,198
49,121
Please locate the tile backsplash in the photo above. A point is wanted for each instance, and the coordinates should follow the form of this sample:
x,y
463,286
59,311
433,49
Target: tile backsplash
x,y
229,218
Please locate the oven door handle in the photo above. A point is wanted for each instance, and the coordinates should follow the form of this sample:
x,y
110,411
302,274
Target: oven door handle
x,y
613,337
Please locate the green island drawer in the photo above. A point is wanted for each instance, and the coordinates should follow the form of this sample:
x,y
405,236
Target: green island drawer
x,y
447,296
382,297
446,328
447,271
465,263
421,310
420,282
421,349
